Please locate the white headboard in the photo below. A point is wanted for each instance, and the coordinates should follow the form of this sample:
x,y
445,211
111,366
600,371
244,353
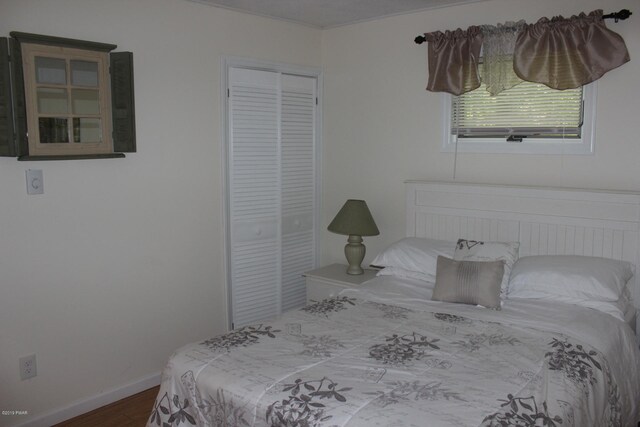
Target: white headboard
x,y
546,221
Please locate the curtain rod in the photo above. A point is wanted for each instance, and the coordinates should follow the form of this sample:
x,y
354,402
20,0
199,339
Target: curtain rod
x,y
616,16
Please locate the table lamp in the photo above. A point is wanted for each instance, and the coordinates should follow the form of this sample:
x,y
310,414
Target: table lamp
x,y
354,220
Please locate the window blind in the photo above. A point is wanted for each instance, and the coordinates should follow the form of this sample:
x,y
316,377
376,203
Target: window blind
x,y
528,109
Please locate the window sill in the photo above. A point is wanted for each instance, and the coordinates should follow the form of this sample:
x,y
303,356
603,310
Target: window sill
x,y
529,147
72,157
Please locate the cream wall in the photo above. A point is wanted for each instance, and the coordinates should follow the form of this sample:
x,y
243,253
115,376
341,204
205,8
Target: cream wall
x,y
121,261
381,127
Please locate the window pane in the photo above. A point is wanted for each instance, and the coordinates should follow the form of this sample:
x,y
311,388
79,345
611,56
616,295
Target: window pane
x,y
85,101
528,109
52,101
86,129
84,73
51,70
53,130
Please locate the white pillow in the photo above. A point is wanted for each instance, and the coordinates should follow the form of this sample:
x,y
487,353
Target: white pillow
x,y
406,274
415,254
472,250
629,313
618,309
571,277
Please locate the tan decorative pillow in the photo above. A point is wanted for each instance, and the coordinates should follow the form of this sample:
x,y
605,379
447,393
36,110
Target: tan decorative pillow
x,y
474,250
469,282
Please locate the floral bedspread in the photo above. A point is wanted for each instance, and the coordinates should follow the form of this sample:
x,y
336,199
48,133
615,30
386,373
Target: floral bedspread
x,y
348,361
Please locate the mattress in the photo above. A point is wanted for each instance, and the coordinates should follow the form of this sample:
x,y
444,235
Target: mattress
x,y
385,355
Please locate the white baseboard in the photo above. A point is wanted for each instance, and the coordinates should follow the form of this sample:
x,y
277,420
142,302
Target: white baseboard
x,y
86,405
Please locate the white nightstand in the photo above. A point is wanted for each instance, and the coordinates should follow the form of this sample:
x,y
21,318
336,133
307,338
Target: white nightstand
x,y
327,282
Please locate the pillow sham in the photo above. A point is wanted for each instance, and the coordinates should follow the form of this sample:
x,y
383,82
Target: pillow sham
x,y
415,254
570,276
473,250
629,314
403,273
618,309
469,282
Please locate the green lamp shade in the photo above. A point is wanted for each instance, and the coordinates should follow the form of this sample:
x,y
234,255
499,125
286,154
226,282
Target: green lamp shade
x,y
354,219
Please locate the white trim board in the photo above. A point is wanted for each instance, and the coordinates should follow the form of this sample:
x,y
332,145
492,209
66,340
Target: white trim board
x,y
546,221
99,400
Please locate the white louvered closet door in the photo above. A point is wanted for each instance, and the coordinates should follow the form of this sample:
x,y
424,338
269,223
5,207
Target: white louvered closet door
x,y
271,191
298,186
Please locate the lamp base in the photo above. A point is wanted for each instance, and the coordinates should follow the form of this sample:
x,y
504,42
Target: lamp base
x,y
354,251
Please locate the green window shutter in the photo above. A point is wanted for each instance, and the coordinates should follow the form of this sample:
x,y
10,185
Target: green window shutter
x,y
122,102
7,147
19,104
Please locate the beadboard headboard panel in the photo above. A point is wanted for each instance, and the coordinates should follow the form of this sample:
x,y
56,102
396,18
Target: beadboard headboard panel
x,y
546,221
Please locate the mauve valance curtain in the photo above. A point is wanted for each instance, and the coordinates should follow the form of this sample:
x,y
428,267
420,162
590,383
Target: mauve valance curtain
x,y
568,53
560,53
453,60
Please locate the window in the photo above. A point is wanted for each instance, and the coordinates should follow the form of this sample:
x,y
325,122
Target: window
x,y
65,98
528,118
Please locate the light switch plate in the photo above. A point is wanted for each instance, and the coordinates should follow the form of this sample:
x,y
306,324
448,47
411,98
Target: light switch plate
x,y
35,182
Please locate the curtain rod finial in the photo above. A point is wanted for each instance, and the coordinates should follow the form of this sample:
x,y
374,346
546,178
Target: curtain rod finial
x,y
420,39
622,15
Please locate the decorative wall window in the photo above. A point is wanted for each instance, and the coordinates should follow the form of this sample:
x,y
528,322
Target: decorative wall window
x,y
65,99
527,118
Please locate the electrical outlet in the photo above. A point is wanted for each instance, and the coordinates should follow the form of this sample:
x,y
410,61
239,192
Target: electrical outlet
x,y
28,368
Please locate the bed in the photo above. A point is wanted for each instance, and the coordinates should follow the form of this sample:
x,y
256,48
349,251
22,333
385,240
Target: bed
x,y
387,354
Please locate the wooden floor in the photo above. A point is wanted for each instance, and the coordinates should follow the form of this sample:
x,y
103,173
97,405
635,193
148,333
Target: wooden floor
x,y
133,411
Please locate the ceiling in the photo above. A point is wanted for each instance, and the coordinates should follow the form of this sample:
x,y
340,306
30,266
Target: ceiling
x,y
330,13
